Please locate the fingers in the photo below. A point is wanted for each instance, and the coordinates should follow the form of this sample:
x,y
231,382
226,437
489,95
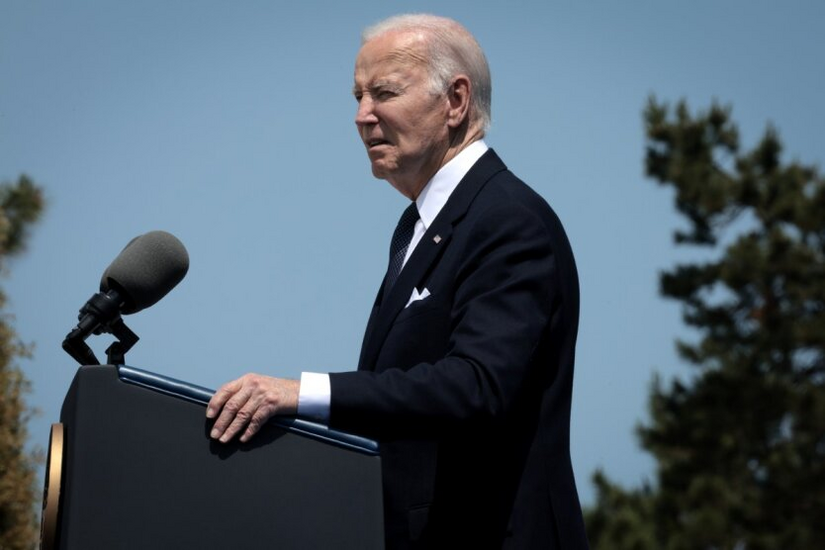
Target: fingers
x,y
221,397
262,414
244,405
234,412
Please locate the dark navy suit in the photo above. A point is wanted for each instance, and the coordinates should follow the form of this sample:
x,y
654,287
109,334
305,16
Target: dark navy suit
x,y
468,390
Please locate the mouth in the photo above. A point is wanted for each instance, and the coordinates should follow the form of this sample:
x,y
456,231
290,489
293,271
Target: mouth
x,y
372,143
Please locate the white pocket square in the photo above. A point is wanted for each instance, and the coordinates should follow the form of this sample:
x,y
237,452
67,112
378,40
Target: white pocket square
x,y
416,296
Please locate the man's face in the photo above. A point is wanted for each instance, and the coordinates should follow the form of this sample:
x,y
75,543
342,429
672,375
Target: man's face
x,y
401,122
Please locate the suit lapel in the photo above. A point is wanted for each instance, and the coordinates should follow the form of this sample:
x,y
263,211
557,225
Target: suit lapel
x,y
428,250
370,323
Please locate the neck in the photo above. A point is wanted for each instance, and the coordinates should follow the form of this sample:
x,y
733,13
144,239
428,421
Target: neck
x,y
459,140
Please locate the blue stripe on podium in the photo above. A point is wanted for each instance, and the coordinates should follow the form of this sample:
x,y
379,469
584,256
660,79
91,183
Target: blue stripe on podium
x,y
201,395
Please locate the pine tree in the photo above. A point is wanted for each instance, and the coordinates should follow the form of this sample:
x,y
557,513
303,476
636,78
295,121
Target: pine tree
x,y
20,206
740,445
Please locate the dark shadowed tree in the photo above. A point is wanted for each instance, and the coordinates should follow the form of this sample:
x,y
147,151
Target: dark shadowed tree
x,y
20,206
740,444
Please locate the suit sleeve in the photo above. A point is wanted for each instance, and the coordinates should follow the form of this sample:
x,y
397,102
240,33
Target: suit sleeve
x,y
503,303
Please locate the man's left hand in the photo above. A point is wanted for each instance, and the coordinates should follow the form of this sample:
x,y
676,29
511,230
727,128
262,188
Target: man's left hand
x,y
248,402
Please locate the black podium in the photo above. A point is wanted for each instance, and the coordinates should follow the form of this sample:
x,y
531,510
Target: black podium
x,y
137,470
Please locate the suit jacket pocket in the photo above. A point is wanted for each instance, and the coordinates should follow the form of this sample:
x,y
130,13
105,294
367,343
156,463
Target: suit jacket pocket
x,y
420,307
419,334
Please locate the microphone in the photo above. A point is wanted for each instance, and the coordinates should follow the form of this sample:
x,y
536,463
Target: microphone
x,y
144,272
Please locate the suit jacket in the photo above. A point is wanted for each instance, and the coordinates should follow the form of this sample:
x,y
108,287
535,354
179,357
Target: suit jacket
x,y
468,390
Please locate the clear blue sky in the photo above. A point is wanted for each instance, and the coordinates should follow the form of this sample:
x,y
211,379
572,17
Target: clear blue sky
x,y
230,124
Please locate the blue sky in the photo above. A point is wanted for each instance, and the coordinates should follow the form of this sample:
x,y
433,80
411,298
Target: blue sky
x,y
230,124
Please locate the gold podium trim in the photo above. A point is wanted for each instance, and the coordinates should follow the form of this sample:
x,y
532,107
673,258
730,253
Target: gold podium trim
x,y
51,489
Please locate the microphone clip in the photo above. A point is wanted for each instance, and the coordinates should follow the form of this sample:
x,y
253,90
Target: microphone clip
x,y
100,314
116,352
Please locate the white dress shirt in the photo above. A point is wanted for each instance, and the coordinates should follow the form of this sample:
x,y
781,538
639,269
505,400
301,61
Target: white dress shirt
x,y
314,394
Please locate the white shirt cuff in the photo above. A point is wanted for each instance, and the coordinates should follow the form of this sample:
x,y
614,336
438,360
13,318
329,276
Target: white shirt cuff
x,y
314,396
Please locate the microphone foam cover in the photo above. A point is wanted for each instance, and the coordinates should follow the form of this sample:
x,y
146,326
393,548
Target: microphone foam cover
x,y
146,270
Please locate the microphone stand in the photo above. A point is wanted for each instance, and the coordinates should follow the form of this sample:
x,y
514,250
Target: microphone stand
x,y
116,352
100,314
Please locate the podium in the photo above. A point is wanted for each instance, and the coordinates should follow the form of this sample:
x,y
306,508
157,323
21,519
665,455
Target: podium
x,y
136,469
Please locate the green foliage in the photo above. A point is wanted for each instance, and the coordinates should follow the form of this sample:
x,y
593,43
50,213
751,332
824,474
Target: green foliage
x,y
740,448
20,206
623,519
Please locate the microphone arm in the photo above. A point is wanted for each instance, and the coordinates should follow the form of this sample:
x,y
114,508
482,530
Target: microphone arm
x,y
116,352
79,350
101,313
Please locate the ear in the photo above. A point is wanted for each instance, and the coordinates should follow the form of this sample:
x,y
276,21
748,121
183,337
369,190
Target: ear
x,y
458,95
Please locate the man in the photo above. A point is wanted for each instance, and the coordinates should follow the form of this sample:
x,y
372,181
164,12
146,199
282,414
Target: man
x,y
465,374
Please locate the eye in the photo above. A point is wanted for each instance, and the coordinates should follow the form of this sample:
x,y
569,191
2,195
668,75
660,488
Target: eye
x,y
384,94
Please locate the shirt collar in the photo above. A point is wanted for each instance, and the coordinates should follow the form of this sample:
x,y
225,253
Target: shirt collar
x,y
435,194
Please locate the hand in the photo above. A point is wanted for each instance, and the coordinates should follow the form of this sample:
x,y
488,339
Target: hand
x,y
248,402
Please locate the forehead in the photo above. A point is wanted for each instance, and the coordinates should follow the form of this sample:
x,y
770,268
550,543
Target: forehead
x,y
388,54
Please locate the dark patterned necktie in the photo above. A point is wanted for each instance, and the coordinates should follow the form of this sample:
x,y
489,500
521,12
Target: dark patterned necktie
x,y
400,243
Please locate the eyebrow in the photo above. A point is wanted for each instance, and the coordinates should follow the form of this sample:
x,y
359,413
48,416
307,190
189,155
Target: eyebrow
x,y
381,83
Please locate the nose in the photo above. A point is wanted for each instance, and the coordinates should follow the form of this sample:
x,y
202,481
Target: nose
x,y
365,114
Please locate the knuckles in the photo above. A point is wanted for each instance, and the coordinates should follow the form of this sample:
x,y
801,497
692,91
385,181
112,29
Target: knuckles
x,y
250,401
243,416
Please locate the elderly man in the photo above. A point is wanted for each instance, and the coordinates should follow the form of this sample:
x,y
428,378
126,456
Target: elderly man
x,y
466,369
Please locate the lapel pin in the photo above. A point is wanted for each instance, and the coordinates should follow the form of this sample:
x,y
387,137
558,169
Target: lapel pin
x,y
437,239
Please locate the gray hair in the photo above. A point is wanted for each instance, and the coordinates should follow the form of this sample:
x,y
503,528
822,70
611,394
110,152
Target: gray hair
x,y
453,50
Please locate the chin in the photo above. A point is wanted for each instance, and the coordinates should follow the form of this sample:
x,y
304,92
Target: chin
x,y
378,172
381,171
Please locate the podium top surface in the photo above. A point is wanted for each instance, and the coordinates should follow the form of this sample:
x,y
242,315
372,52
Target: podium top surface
x,y
199,394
